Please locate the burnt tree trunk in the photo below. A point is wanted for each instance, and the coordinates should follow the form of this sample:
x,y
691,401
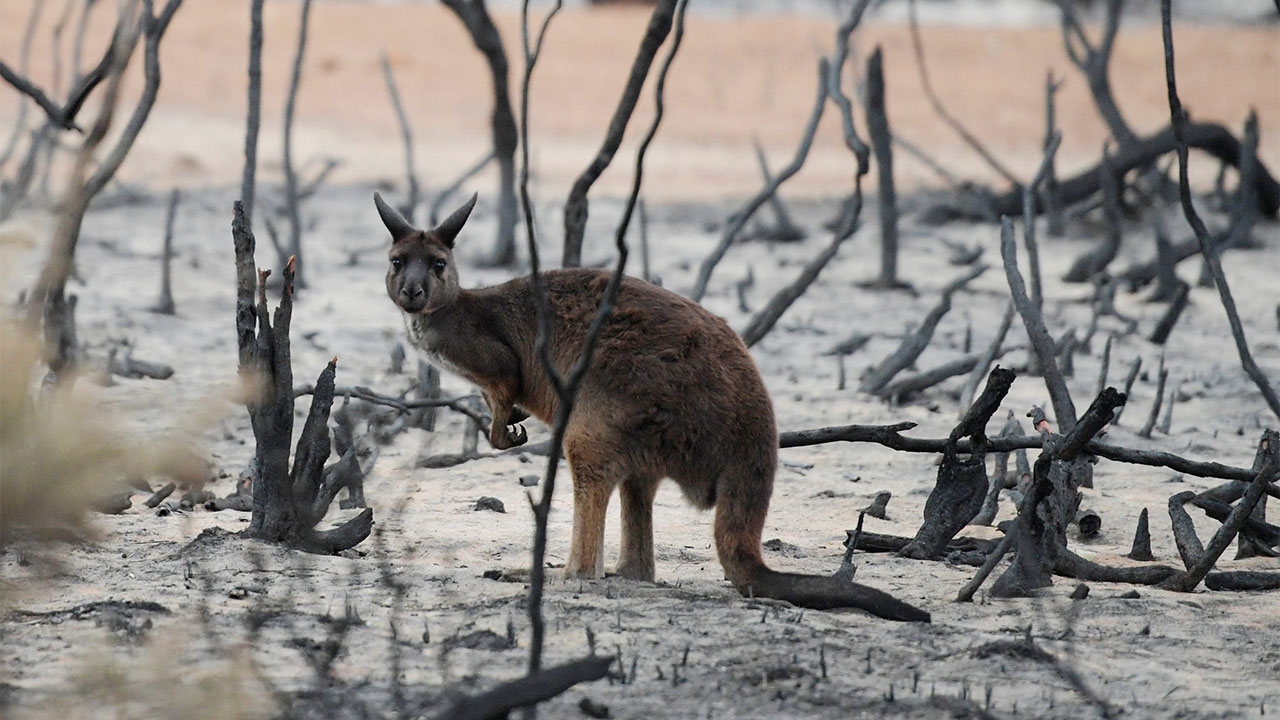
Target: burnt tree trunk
x,y
475,17
287,502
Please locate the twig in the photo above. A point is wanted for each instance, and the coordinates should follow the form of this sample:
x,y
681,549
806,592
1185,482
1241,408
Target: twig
x,y
528,690
947,117
988,356
1041,343
475,17
1179,121
458,404
1145,432
575,207
1270,471
764,320
24,61
740,218
887,202
164,305
411,177
433,216
916,342
291,199
253,117
890,437
1029,221
1095,62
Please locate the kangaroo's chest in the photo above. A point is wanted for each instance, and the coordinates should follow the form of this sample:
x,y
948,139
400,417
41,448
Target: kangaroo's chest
x,y
430,341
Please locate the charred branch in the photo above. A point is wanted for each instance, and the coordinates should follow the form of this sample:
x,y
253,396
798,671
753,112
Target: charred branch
x,y
739,219
882,145
1182,133
575,208
475,17
961,485
253,116
291,194
529,690
1041,344
915,343
406,137
164,305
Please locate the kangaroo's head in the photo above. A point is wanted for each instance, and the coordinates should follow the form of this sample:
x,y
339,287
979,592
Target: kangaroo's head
x,y
421,277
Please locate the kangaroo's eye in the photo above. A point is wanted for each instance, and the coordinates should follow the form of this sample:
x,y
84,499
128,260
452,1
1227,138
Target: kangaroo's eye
x,y
396,264
438,266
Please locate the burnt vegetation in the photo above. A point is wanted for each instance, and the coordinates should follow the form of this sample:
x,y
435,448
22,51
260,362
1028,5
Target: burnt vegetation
x,y
1035,487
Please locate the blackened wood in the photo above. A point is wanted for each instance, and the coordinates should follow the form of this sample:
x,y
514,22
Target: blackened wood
x,y
1128,387
158,496
882,147
1181,133
1190,549
961,486
957,496
983,365
1089,522
254,113
765,320
1211,138
164,305
1096,260
1150,424
1069,564
1269,472
528,690
1171,314
1243,580
890,436
916,342
1041,343
739,219
1141,549
475,17
575,208
910,384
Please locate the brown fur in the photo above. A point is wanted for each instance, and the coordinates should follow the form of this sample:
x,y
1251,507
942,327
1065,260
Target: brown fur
x,y
671,393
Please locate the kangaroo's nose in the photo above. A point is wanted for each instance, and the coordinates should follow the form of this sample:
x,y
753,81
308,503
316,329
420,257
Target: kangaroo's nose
x,y
412,293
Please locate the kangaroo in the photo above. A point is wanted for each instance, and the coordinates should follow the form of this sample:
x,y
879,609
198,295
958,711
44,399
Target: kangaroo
x,y
671,392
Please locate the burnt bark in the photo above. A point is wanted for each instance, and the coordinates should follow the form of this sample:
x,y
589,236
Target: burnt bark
x,y
288,502
506,139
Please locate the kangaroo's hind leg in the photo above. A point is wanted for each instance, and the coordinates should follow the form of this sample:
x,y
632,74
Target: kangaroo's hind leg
x,y
635,560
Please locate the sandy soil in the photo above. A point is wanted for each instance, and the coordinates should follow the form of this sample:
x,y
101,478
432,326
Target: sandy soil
x,y
240,618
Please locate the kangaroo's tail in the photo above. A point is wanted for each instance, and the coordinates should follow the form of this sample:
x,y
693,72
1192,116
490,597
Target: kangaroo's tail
x,y
738,527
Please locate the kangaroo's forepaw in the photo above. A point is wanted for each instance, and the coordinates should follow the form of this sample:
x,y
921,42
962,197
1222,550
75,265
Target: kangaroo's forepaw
x,y
511,436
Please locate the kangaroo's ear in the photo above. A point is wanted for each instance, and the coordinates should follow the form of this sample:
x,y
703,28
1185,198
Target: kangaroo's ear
x,y
452,225
395,222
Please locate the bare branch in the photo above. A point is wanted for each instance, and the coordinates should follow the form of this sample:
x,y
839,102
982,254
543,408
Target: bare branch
x,y
739,219
1179,121
946,116
254,113
291,199
576,206
1041,343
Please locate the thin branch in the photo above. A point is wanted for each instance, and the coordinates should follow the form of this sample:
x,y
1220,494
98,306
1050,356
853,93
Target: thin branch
x,y
291,198
411,178
947,117
254,113
890,437
1179,121
576,206
1041,343
741,217
433,216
